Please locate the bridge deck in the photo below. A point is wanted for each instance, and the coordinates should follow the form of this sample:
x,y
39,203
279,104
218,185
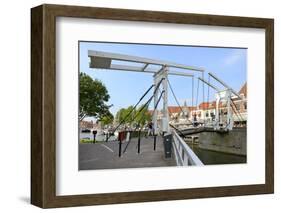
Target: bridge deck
x,y
195,130
105,155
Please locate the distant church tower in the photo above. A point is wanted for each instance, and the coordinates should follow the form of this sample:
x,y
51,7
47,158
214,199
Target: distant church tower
x,y
185,108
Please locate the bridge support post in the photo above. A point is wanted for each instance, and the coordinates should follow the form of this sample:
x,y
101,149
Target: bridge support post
x,y
217,119
120,148
229,112
155,114
162,75
139,139
154,145
224,95
165,119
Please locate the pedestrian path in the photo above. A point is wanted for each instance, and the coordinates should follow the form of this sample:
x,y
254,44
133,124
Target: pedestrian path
x,y
105,155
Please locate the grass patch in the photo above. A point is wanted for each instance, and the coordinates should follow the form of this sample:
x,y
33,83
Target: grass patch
x,y
86,140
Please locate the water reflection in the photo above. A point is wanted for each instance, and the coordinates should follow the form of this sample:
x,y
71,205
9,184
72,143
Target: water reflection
x,y
212,157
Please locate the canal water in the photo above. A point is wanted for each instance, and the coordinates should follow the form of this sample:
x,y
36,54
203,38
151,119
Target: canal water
x,y
212,157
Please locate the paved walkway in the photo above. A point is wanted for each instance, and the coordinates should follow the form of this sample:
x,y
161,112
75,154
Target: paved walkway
x,y
105,155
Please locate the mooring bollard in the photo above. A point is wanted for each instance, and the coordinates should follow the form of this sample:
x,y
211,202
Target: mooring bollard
x,y
139,139
120,138
120,148
94,133
106,137
154,147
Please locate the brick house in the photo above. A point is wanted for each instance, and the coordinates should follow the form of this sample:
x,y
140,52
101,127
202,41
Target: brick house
x,y
86,124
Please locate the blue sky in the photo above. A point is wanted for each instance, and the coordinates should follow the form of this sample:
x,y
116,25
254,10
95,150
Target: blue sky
x,y
125,88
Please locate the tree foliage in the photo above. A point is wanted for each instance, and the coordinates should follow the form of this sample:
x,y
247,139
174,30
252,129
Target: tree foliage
x,y
107,119
137,116
143,116
93,96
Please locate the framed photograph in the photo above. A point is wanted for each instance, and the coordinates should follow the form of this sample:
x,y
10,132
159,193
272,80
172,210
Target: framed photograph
x,y
136,106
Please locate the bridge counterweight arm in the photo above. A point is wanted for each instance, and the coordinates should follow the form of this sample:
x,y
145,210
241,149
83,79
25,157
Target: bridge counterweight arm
x,y
106,58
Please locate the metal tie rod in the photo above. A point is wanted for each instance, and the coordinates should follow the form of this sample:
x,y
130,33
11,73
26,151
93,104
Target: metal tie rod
x,y
146,104
133,109
215,88
225,85
140,111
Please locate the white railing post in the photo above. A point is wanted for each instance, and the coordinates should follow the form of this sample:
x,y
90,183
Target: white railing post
x,y
183,153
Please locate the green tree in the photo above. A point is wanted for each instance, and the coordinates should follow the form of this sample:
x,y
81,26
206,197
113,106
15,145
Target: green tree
x,y
143,115
130,117
118,116
93,96
122,115
107,119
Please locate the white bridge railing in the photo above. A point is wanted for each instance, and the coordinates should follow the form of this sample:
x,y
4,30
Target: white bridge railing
x,y
183,153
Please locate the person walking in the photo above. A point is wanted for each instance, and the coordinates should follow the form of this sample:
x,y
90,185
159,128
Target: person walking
x,y
150,129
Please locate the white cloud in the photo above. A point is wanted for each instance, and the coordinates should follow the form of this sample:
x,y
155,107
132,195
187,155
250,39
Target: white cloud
x,y
233,58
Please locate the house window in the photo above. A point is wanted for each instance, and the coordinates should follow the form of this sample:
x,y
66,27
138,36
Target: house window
x,y
237,106
213,115
245,106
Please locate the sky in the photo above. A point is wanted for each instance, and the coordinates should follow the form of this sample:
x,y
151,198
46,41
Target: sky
x,y
125,88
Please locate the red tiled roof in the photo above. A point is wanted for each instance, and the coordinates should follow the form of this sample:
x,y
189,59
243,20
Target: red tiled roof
x,y
174,109
192,108
207,105
177,109
204,105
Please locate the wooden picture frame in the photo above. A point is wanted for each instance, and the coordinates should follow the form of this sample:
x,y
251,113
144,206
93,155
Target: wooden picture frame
x,y
43,105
